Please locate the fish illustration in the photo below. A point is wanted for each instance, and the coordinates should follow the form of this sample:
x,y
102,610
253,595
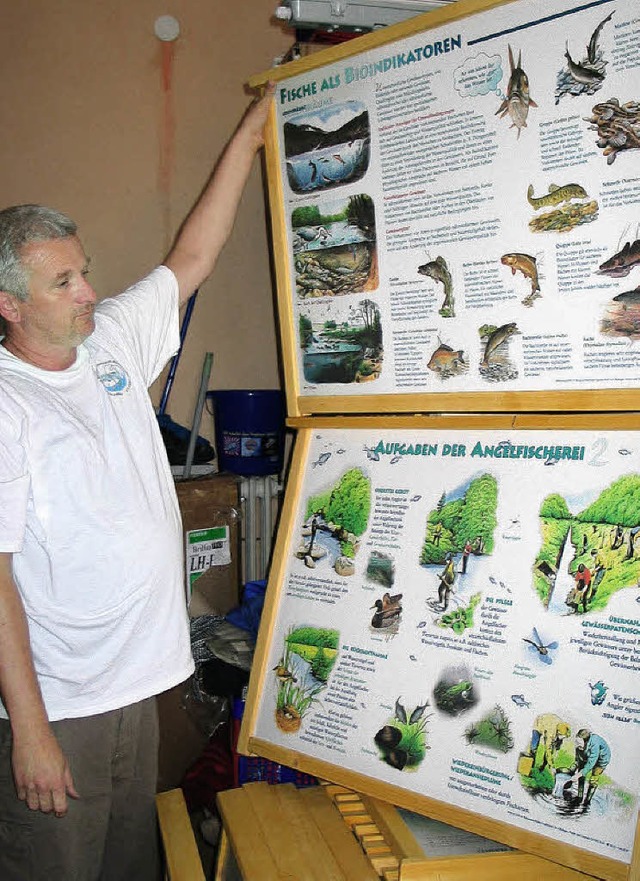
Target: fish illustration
x,y
580,72
415,498
592,48
418,713
556,195
322,458
526,264
519,700
628,297
598,692
400,712
446,361
395,459
439,271
496,338
518,99
624,452
621,263
371,454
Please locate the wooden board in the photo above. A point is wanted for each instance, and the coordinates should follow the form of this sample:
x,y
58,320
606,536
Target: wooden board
x,y
527,656
427,257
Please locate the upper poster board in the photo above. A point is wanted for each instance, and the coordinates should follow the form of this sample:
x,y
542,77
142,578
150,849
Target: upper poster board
x,y
455,212
452,625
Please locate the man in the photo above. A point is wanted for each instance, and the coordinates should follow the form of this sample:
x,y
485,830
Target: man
x,y
581,592
92,614
447,579
551,731
592,757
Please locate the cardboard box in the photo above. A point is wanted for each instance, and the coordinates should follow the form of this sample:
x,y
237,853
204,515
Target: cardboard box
x,y
206,504
210,508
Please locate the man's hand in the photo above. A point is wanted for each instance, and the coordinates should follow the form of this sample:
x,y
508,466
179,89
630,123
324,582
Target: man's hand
x,y
41,774
255,118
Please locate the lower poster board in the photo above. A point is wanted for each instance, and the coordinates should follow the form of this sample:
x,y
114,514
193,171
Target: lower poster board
x,y
453,624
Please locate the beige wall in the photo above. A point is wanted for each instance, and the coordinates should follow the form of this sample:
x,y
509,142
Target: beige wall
x,y
82,110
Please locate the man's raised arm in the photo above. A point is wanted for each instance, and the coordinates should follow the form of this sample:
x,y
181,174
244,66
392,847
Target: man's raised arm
x,y
209,224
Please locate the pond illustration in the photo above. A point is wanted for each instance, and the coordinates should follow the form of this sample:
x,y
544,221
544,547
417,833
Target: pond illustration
x,y
343,351
328,147
334,248
302,673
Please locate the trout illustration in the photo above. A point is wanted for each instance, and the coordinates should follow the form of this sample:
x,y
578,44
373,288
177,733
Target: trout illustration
x,y
496,338
524,263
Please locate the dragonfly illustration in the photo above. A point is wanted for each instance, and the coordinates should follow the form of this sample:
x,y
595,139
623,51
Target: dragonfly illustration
x,y
540,648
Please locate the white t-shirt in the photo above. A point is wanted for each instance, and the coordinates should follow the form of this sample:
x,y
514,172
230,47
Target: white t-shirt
x,y
89,511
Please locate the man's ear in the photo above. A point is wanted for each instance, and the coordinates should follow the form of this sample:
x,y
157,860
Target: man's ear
x,y
9,307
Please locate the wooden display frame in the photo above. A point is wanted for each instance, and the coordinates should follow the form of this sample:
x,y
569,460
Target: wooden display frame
x,y
568,855
496,397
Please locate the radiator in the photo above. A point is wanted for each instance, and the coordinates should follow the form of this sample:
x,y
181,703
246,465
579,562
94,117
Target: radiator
x,y
260,499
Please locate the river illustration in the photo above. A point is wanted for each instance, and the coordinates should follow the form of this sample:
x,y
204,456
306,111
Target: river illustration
x,y
327,148
344,351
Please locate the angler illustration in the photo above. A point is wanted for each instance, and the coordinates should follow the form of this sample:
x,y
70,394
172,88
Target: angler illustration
x,y
327,148
518,99
587,557
334,522
495,363
565,768
583,74
528,266
439,271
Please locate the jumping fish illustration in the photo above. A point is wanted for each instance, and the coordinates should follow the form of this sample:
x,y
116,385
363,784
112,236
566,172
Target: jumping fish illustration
x,y
556,195
526,264
580,72
592,48
372,454
518,99
621,263
322,458
496,338
446,361
519,700
439,271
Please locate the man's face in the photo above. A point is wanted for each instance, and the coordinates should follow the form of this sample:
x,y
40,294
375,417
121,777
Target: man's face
x,y
61,303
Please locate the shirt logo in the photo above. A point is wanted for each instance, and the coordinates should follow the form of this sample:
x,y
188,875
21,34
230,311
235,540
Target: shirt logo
x,y
113,377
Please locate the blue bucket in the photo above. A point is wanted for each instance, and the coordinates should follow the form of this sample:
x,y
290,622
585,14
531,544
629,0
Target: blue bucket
x,y
250,430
